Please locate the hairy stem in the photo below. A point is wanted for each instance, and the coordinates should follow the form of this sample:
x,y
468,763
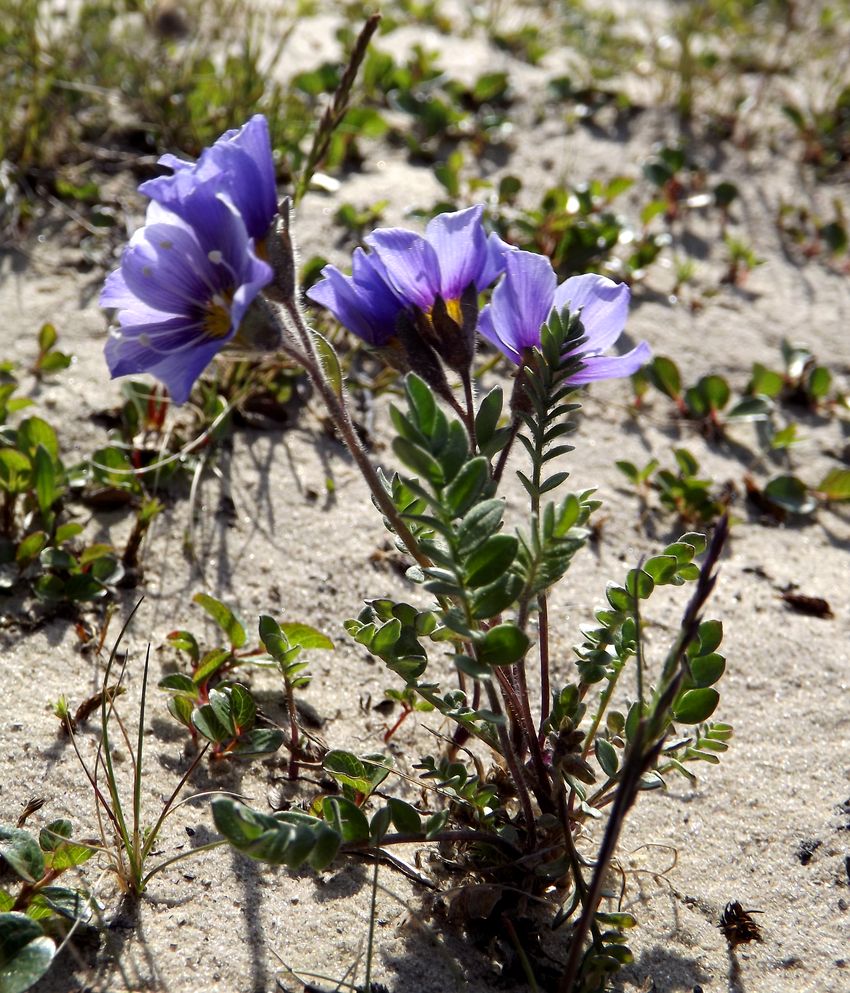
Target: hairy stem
x,y
514,765
338,410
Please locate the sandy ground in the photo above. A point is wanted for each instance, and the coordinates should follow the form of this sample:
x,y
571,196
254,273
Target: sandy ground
x,y
222,923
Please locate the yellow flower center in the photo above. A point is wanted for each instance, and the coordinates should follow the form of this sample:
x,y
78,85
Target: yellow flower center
x,y
452,309
216,321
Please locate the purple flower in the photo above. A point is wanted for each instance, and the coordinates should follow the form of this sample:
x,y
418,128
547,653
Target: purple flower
x,y
185,283
239,164
408,272
454,254
362,302
526,296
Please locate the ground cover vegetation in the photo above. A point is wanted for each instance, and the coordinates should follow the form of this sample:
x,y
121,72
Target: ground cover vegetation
x,y
465,338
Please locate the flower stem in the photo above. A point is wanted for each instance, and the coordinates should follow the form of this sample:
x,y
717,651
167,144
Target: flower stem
x,y
338,410
543,635
513,764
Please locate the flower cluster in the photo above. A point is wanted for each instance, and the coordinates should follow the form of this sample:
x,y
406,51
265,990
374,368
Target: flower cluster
x,y
434,281
190,274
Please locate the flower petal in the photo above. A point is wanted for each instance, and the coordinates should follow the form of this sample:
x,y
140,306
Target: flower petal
x,y
361,302
495,264
460,245
166,269
410,263
239,165
177,369
529,287
520,304
487,329
612,366
604,308
254,276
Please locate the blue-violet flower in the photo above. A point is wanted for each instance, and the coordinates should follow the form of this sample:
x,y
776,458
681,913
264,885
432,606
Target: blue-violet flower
x,y
239,164
363,302
526,296
409,271
184,285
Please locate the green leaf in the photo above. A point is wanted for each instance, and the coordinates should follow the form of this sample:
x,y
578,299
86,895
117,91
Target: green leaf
x,y
210,664
491,600
50,589
629,470
362,775
15,471
179,682
616,920
84,586
21,853
487,418
467,486
243,709
756,408
619,598
835,485
386,637
346,818
306,637
274,640
696,706
662,568
710,636
405,818
330,362
224,617
715,390
54,834
606,756
421,462
422,404
25,953
44,478
54,362
185,641
707,669
206,722
68,855
478,525
664,375
346,769
639,583
30,547
287,838
765,381
67,531
791,494
503,644
490,560
46,337
181,709
50,900
258,742
436,823
820,380
33,432
472,667
696,540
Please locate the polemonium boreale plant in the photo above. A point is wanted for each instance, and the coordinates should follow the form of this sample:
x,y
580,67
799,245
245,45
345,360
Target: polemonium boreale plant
x,y
536,751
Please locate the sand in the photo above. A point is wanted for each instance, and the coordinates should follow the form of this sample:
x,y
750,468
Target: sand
x,y
296,549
